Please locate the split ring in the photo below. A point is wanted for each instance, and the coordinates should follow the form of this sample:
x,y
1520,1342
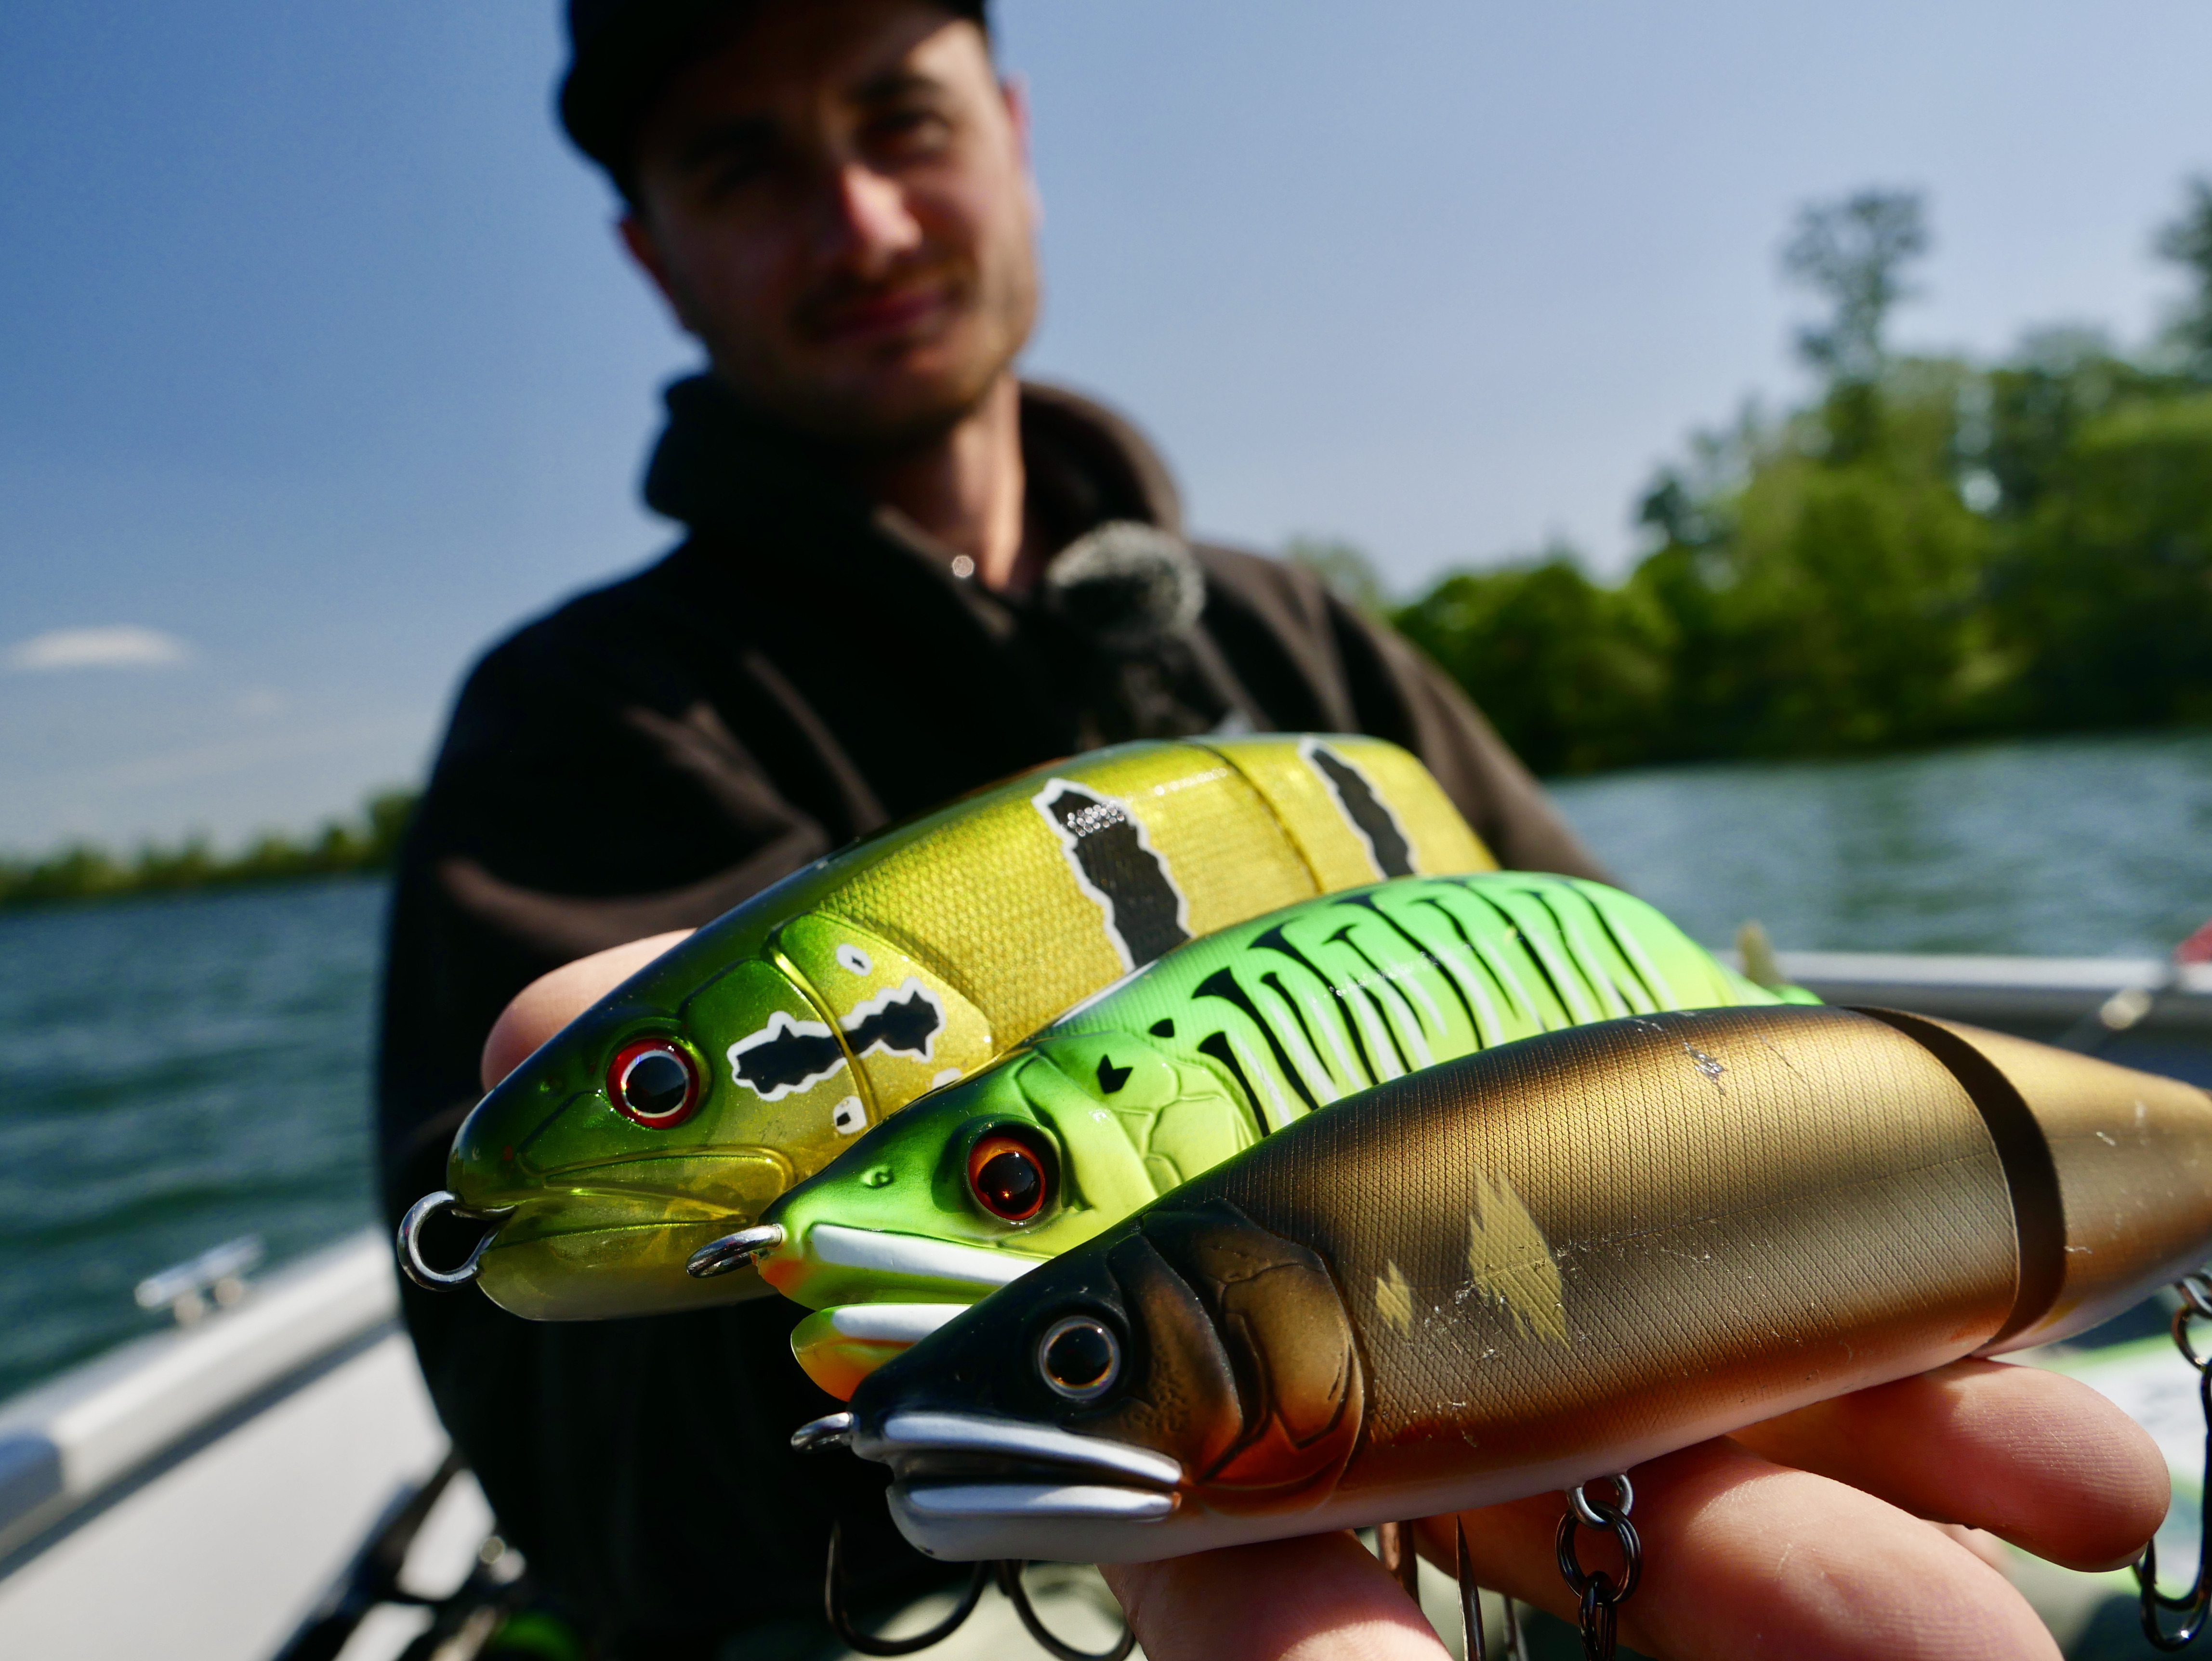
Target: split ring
x,y
1591,1513
411,1261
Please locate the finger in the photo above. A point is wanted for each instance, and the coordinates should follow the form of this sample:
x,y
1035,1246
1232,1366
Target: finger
x,y
1743,1559
1987,1547
553,1000
2036,1459
1321,1597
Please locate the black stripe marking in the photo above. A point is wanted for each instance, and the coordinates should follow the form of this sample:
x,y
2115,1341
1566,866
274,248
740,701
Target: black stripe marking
x,y
1388,979
1596,996
1343,936
1274,982
908,1024
1535,957
1620,946
1368,814
1223,985
1512,1001
785,1056
1219,1047
1274,941
1115,864
1429,954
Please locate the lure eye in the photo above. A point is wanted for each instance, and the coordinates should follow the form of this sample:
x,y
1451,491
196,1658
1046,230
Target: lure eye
x,y
1079,1358
1007,1177
653,1082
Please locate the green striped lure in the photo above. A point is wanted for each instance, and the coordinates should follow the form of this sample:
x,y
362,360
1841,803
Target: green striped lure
x,y
1185,1062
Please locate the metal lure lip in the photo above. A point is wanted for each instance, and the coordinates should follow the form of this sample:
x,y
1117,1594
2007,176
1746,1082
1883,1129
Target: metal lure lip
x,y
1038,1452
832,1430
1032,1501
909,1256
734,1251
411,1261
888,1322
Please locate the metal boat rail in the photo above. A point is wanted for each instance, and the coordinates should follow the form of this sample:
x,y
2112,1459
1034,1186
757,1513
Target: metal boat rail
x,y
1997,991
114,1421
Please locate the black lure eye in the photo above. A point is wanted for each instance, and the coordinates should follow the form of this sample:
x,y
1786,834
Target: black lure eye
x,y
1079,1358
1007,1178
653,1082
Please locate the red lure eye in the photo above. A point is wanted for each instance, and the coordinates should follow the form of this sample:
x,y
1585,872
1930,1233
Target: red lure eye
x,y
653,1082
1007,1178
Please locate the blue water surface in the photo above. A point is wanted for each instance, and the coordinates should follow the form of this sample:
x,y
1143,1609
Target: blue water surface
x,y
2045,847
174,1073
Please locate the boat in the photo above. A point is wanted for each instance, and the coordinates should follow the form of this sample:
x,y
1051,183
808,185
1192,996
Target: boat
x,y
267,1478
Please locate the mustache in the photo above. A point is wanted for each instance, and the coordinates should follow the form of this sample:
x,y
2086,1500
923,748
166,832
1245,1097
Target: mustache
x,y
841,292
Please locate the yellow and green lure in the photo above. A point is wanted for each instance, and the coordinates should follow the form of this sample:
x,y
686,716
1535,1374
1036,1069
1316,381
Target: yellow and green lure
x,y
747,1057
1186,1064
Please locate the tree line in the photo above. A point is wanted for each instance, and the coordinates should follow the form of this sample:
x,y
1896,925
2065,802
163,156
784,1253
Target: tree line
x,y
1931,549
368,842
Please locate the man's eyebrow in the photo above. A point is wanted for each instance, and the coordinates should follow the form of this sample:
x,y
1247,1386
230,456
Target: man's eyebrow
x,y
741,134
894,83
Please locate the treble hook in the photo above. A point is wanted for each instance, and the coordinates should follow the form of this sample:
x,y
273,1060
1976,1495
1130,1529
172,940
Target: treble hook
x,y
835,1430
1470,1608
1010,1582
2196,1291
833,1603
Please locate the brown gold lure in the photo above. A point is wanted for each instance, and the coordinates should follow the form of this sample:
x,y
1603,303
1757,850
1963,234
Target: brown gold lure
x,y
1516,1271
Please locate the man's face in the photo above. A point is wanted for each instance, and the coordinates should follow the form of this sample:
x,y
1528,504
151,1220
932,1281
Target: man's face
x,y
836,202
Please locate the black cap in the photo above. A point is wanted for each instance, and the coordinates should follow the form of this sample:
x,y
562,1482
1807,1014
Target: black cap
x,y
620,52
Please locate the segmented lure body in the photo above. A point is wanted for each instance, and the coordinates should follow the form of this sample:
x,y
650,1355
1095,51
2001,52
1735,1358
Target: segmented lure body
x,y
1191,1060
1518,1271
745,1059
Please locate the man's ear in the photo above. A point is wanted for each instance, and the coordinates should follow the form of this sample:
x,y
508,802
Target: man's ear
x,y
1014,93
637,237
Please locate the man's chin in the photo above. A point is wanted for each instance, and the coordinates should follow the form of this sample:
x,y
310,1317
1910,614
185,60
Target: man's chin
x,y
883,398
890,412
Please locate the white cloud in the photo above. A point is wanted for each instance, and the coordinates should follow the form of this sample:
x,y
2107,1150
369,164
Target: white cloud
x,y
116,646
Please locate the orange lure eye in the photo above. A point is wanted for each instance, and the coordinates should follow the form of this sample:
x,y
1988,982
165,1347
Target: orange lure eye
x,y
653,1082
1007,1177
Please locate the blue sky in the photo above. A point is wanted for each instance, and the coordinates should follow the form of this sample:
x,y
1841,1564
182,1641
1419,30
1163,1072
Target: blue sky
x,y
320,367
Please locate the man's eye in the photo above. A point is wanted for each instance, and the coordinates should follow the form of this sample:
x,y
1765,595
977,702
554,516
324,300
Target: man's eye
x,y
908,133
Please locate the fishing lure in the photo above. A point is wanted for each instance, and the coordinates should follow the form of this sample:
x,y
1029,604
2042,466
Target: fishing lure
x,y
1512,1273
751,1054
1186,1063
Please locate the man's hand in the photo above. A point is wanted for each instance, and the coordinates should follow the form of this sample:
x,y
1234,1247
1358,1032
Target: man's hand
x,y
1838,1532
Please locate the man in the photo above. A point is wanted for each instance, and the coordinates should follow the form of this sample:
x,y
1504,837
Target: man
x,y
906,575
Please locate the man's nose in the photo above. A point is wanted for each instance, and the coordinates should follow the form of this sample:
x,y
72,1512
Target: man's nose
x,y
867,221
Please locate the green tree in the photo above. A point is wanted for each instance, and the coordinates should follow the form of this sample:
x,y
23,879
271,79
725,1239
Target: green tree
x,y
2105,593
1573,674
1854,252
80,871
2186,239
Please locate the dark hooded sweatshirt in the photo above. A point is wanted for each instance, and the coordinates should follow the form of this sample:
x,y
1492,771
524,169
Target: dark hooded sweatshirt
x,y
804,668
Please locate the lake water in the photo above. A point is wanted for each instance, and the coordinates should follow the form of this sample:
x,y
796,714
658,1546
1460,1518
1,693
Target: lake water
x,y
177,1071
174,1073
2047,848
